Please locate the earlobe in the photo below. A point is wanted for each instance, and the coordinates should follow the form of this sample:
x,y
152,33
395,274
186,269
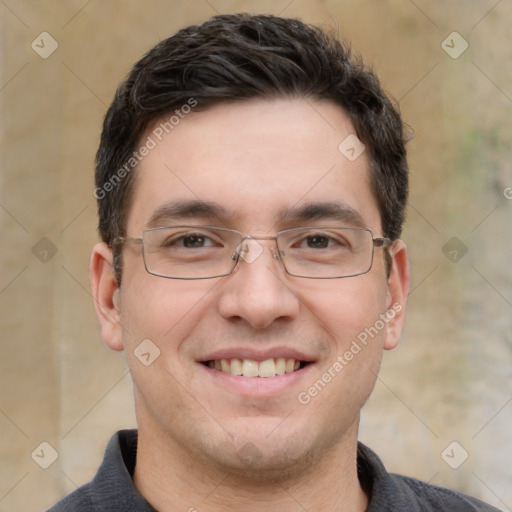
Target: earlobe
x,y
105,292
398,289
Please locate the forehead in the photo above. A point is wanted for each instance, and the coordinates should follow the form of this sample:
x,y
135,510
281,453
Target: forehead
x,y
257,163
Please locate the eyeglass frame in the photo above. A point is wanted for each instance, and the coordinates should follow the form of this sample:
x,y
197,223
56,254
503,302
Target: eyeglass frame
x,y
133,241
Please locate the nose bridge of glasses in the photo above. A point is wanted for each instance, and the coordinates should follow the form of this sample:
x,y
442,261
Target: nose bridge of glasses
x,y
250,248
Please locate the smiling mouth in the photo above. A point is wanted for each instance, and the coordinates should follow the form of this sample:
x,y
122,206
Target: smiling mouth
x,y
251,368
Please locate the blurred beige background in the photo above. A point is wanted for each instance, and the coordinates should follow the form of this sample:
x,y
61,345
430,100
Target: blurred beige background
x,y
451,378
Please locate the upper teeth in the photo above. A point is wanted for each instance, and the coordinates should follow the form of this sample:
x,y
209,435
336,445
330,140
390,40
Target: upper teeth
x,y
251,368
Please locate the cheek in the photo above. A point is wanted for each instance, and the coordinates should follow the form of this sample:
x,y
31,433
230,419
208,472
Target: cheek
x,y
157,315
345,308
349,315
166,312
155,306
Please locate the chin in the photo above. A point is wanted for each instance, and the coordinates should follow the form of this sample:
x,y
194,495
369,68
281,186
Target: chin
x,y
260,458
255,465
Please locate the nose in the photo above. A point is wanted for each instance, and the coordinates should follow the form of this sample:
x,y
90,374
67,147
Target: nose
x,y
258,291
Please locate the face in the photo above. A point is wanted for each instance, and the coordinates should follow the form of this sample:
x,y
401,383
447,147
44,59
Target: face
x,y
258,167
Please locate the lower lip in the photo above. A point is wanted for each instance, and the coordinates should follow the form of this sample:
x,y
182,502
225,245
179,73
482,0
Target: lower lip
x,y
258,386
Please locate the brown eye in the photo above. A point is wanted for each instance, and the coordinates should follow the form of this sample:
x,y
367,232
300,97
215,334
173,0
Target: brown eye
x,y
194,241
318,242
189,241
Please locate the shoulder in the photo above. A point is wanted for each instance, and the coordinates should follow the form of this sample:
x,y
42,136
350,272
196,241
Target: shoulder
x,y
112,487
432,497
78,501
396,493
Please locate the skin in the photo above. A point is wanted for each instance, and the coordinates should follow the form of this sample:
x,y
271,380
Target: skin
x,y
254,159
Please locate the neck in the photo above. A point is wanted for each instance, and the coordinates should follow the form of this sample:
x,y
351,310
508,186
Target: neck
x,y
171,479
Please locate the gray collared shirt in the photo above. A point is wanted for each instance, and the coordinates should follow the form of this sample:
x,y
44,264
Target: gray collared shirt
x,y
112,489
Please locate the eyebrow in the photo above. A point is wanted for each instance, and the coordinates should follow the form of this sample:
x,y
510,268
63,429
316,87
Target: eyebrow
x,y
339,212
186,209
314,211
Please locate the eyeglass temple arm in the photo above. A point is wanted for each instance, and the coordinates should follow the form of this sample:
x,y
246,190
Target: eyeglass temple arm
x,y
127,241
382,242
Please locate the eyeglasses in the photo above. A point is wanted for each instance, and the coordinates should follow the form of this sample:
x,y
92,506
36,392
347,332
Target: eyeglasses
x,y
205,252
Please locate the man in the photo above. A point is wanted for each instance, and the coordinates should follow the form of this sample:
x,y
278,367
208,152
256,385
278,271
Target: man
x,y
251,183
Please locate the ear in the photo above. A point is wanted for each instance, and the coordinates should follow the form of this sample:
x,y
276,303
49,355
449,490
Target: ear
x,y
105,293
398,289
